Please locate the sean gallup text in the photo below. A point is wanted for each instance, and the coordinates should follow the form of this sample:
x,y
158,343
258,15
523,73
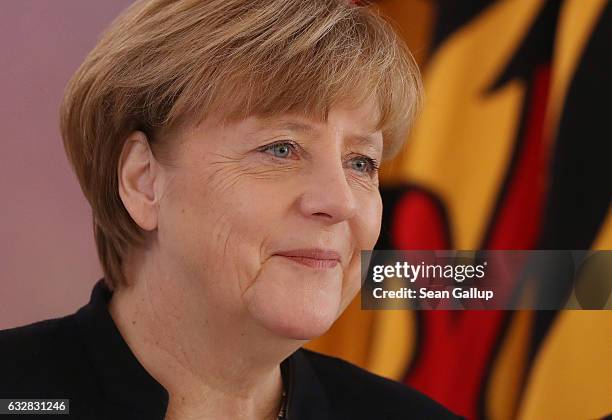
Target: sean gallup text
x,y
426,293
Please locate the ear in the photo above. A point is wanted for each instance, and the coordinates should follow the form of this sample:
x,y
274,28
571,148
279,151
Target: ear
x,y
138,172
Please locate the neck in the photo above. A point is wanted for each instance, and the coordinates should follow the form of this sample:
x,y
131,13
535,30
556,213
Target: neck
x,y
214,362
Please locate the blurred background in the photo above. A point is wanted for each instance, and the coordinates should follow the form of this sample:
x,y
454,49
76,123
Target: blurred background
x,y
512,151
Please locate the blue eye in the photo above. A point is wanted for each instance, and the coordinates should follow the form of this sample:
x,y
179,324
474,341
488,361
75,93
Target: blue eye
x,y
280,150
364,164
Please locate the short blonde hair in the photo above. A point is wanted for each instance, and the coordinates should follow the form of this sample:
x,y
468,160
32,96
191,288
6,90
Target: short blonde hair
x,y
163,63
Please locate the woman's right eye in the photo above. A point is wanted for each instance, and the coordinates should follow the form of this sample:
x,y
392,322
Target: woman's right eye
x,y
282,149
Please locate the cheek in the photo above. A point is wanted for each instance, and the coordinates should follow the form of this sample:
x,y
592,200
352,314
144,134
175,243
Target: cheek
x,y
366,229
368,221
216,228
202,234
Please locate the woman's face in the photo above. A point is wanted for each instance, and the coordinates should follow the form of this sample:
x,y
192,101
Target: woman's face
x,y
266,218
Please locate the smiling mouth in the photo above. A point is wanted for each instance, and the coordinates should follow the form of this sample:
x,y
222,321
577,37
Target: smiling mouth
x,y
312,262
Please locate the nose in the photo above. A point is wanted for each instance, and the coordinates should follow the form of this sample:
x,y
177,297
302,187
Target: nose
x,y
327,195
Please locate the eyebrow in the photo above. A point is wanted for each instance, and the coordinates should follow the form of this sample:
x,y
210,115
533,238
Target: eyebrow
x,y
362,139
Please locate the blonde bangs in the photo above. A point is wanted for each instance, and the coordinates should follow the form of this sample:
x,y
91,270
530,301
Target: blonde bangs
x,y
270,58
345,55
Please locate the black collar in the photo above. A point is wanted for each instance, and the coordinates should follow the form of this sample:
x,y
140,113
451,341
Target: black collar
x,y
125,382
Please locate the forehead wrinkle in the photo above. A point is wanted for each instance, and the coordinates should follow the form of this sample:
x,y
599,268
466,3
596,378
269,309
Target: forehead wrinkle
x,y
286,123
372,140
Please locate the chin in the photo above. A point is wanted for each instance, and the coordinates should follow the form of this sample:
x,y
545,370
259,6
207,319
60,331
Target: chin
x,y
299,325
294,315
294,302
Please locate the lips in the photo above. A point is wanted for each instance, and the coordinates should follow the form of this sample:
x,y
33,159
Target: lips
x,y
314,258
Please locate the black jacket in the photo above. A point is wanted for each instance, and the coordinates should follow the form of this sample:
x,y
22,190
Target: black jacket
x,y
83,357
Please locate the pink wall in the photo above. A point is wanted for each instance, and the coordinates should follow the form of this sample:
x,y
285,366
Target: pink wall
x,y
48,261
